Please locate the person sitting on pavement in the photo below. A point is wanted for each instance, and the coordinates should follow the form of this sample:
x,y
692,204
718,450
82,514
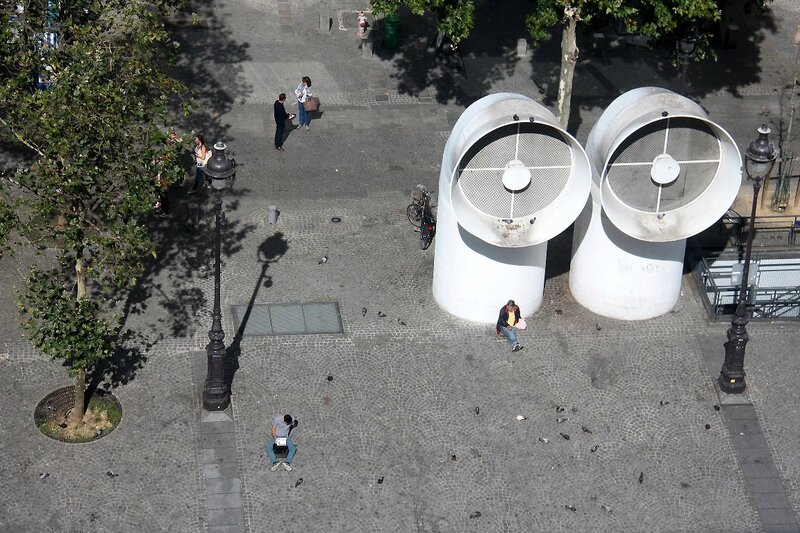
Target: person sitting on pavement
x,y
509,316
281,426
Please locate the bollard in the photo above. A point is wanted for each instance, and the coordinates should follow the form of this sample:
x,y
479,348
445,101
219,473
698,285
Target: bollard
x,y
522,48
325,23
272,214
366,47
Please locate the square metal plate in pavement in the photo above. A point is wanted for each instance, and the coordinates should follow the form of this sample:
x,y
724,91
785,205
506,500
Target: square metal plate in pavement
x,y
288,319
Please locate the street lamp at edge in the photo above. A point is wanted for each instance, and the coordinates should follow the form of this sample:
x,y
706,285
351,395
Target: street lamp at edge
x,y
759,158
216,392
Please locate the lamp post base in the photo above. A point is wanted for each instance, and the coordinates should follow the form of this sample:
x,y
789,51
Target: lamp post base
x,y
216,398
731,377
731,385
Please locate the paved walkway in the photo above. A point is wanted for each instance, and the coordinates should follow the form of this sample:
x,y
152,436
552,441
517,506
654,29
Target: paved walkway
x,y
394,398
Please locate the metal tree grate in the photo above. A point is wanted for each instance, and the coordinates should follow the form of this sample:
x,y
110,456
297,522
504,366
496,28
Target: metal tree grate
x,y
692,144
543,151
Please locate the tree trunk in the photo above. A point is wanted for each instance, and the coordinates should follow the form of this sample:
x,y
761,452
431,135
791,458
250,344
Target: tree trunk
x,y
76,416
569,57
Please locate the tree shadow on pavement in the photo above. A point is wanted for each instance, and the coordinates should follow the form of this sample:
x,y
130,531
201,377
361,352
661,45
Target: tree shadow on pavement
x,y
488,55
169,292
119,369
269,251
168,297
210,62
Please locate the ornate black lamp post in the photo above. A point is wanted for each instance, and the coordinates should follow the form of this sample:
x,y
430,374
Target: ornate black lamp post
x,y
686,49
759,158
217,393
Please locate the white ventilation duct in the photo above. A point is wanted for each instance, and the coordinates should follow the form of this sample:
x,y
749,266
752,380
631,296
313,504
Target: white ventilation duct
x,y
511,179
662,172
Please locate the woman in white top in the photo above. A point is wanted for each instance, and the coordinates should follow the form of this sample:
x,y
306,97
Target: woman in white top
x,y
201,157
303,93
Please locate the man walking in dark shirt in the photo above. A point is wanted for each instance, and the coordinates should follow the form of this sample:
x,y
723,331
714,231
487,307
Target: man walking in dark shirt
x,y
280,120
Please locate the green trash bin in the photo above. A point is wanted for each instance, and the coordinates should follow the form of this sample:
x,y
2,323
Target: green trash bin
x,y
391,31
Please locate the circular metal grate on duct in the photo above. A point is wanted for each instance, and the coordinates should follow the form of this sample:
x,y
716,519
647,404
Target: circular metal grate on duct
x,y
664,165
541,149
514,177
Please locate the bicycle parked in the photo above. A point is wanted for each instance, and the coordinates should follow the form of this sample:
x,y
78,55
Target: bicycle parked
x,y
420,215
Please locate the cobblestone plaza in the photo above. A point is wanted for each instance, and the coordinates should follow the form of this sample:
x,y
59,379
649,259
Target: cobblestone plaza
x,y
409,419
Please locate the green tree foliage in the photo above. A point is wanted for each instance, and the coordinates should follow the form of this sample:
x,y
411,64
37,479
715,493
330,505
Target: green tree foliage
x,y
658,19
95,149
453,17
664,21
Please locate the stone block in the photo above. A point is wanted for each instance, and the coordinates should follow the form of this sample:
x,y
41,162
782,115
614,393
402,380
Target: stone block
x,y
522,48
366,48
325,23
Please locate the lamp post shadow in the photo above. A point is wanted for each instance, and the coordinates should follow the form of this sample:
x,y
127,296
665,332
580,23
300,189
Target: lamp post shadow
x,y
269,251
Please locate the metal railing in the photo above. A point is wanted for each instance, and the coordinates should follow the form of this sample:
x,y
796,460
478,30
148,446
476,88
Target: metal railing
x,y
719,290
777,231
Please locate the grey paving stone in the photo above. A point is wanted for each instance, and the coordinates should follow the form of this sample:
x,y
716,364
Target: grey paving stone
x,y
746,426
227,529
781,516
210,428
740,412
217,440
781,528
220,470
771,501
755,470
754,455
218,455
225,517
223,485
230,500
748,441
765,485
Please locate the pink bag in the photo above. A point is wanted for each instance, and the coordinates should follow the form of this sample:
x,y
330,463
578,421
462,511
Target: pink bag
x,y
521,324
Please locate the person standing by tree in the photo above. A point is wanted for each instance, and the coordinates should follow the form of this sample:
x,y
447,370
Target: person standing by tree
x,y
303,93
201,156
281,116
